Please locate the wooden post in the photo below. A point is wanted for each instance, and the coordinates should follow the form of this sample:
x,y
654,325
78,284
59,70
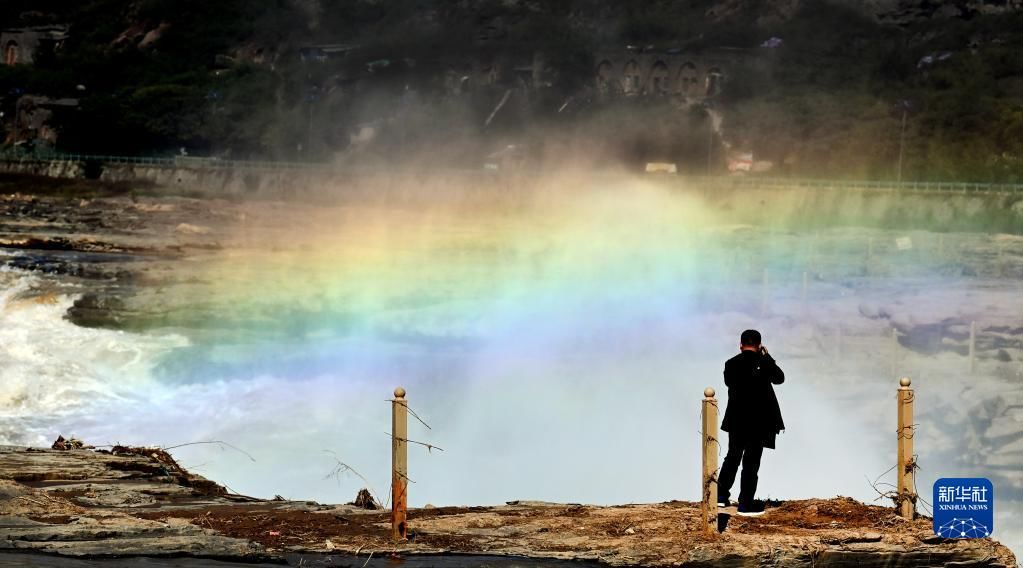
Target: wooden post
x,y
906,467
399,464
973,347
709,506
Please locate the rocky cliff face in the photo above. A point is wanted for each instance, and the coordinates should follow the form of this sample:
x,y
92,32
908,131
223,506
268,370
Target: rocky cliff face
x,y
137,502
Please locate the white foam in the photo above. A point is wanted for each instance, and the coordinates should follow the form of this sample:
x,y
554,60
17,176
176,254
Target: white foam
x,y
51,369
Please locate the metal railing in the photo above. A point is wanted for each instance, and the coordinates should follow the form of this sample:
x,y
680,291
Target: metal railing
x,y
158,161
930,186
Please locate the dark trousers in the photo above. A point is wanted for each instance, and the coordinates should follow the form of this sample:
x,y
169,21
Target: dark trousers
x,y
748,450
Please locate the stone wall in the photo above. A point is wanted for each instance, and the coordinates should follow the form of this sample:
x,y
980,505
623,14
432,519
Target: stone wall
x,y
54,169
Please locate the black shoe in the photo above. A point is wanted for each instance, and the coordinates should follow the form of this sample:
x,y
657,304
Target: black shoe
x,y
754,510
723,502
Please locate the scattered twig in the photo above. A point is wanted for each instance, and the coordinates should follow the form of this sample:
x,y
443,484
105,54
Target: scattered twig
x,y
416,416
405,477
235,448
429,447
930,507
882,475
342,468
413,413
882,494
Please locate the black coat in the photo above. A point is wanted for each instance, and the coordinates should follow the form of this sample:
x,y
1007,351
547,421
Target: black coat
x,y
752,405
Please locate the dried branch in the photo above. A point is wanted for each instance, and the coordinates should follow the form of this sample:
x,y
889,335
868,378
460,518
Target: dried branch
x,y
342,468
218,442
416,416
429,447
405,476
413,413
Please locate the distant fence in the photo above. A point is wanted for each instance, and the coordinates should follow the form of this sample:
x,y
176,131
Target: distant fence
x,y
161,162
929,186
726,181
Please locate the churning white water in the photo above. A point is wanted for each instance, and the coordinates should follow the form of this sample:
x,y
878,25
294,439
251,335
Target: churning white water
x,y
54,375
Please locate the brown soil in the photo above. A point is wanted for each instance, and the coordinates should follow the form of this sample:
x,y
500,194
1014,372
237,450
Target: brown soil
x,y
52,519
458,528
276,527
801,517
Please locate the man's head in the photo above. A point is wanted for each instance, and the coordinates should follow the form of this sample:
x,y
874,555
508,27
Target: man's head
x,y
750,340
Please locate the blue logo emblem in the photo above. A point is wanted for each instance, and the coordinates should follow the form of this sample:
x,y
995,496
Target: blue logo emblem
x,y
964,507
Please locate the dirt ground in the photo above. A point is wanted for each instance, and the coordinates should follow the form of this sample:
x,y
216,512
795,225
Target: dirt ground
x,y
654,533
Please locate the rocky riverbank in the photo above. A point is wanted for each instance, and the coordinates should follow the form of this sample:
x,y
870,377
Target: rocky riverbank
x,y
136,502
172,318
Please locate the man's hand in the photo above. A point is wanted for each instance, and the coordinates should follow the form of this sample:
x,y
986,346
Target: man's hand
x,y
763,350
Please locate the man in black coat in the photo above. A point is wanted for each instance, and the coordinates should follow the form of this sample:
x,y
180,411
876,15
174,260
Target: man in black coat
x,y
752,418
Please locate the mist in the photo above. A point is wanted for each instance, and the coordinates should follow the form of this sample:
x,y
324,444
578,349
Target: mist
x,y
557,341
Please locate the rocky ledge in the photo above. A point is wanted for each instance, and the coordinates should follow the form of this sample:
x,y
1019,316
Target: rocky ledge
x,y
137,502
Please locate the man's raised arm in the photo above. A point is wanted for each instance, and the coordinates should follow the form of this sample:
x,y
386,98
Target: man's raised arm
x,y
771,370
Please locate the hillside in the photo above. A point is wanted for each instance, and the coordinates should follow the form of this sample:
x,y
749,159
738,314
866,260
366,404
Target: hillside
x,y
364,80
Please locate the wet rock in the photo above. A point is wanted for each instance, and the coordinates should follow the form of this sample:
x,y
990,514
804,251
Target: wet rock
x,y
97,310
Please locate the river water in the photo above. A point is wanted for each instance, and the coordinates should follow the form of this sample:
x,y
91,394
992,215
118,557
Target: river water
x,y
558,352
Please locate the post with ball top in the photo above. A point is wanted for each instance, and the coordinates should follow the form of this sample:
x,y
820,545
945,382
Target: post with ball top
x,y
906,467
399,464
709,505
